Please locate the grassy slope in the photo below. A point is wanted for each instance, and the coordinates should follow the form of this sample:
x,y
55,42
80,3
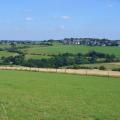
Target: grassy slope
x,y
46,96
108,66
59,48
4,45
56,49
6,54
37,57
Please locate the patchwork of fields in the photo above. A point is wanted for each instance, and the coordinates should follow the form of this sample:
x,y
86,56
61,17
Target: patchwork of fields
x,y
40,51
59,48
52,96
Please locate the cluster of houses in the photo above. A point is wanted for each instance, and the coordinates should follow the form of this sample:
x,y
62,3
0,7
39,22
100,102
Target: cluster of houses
x,y
91,42
24,42
69,41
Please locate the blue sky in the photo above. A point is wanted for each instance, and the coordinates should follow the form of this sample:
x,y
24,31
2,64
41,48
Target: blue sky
x,y
57,19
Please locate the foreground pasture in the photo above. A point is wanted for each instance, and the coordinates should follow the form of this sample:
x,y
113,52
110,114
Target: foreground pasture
x,y
52,96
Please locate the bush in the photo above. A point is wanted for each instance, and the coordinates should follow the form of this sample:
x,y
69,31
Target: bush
x,y
102,68
116,69
79,67
76,67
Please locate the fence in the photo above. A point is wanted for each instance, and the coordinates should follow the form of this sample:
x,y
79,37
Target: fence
x,y
86,72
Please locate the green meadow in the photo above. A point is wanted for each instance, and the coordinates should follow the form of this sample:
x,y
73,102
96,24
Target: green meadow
x,y
6,54
108,66
56,49
44,51
40,51
52,96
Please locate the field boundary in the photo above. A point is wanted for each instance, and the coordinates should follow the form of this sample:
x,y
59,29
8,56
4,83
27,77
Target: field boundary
x,y
86,72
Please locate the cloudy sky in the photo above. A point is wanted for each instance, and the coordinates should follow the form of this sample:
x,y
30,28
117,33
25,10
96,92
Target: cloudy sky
x,y
46,19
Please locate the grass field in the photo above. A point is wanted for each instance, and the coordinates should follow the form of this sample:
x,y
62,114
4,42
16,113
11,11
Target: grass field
x,y
108,66
51,96
59,48
4,45
6,54
33,51
38,57
56,49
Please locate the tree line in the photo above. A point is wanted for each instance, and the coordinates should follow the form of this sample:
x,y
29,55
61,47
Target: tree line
x,y
60,60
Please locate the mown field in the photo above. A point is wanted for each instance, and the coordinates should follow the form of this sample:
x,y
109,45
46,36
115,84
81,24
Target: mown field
x,y
52,96
108,66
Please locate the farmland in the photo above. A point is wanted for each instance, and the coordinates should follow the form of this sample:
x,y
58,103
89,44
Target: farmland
x,y
52,96
55,54
82,49
108,66
59,48
40,51
59,60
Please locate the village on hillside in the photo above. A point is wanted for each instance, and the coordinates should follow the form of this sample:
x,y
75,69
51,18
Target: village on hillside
x,y
91,42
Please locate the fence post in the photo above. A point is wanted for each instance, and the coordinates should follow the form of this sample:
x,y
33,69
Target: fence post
x,y
86,72
108,74
65,70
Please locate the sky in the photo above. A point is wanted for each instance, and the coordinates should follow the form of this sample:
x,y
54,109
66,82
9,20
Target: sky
x,y
58,19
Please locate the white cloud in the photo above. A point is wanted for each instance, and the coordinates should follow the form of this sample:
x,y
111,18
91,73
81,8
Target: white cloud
x,y
65,17
28,18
